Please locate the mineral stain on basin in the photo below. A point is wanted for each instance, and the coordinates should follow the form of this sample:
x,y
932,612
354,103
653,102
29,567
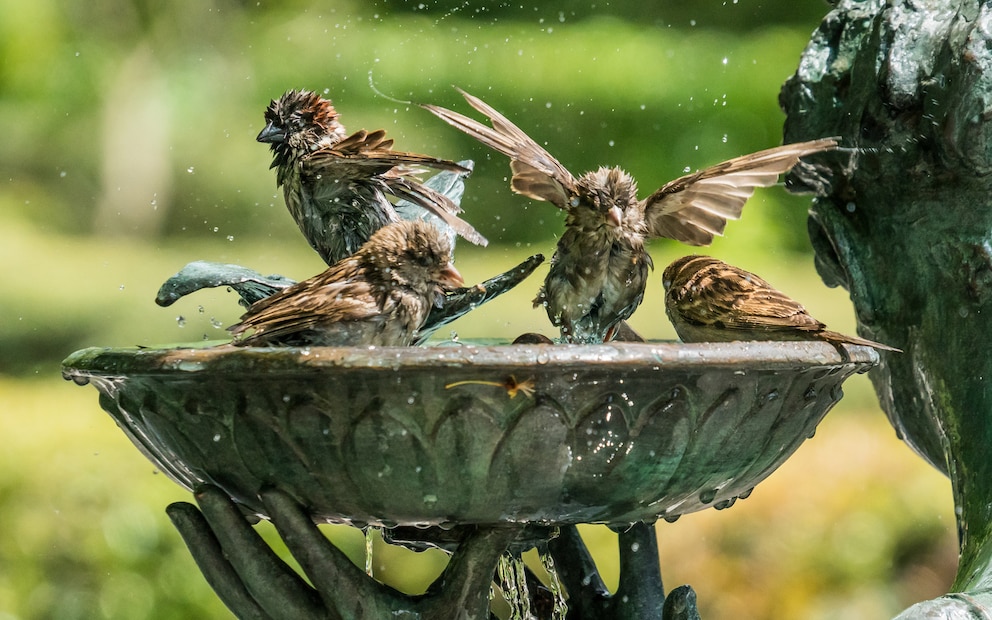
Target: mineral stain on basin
x,y
609,433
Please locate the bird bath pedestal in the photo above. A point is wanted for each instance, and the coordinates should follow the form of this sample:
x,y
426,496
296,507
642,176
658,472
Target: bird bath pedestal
x,y
476,449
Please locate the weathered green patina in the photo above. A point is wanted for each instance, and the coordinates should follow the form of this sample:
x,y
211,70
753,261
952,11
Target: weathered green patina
x,y
906,227
475,445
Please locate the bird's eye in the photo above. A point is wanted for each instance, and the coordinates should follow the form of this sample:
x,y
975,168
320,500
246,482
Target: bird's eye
x,y
422,260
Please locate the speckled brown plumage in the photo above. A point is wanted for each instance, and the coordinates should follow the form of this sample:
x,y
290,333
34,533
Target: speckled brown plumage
x,y
335,185
708,300
381,295
599,271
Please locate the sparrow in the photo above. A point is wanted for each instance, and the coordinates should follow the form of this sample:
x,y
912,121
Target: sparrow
x,y
710,301
380,295
600,268
335,184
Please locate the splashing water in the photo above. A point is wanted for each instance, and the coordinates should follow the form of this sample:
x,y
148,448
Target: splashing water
x,y
554,584
513,583
369,532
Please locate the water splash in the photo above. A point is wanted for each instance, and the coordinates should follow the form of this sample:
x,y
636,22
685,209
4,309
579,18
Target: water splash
x,y
369,534
513,583
554,584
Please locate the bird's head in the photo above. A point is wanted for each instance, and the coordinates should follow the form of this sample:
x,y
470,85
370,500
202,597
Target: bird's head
x,y
607,200
299,122
681,271
413,254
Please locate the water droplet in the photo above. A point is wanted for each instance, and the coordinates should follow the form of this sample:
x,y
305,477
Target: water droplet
x,y
727,503
554,584
369,533
216,437
672,518
513,582
707,497
190,170
181,321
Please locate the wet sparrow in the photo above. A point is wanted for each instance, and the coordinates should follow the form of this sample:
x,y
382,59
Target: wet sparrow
x,y
381,295
599,271
335,185
710,301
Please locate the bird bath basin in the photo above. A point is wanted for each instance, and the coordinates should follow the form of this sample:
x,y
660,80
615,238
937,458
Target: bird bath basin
x,y
474,434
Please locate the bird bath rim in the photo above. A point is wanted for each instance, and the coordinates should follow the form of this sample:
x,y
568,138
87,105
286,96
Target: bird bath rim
x,y
197,357
612,433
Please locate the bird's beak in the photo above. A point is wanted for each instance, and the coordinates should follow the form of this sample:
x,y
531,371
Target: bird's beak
x,y
614,217
450,278
271,134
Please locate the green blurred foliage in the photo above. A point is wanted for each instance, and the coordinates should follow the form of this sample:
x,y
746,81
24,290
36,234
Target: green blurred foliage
x,y
599,88
129,150
133,124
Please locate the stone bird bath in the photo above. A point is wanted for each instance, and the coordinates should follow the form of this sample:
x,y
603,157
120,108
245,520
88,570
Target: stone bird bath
x,y
474,448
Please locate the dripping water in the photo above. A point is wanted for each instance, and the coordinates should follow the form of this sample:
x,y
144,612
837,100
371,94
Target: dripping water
x,y
369,532
554,584
513,583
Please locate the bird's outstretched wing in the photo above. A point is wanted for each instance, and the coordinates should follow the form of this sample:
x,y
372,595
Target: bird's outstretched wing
x,y
410,189
695,208
364,156
364,153
536,173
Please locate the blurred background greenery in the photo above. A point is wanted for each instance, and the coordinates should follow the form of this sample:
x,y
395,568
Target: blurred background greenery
x,y
128,150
